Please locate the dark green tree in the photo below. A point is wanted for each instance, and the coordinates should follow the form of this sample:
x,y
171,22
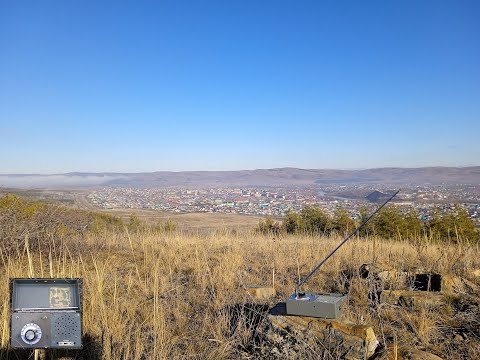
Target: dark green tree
x,y
342,222
413,226
389,223
368,228
454,226
293,223
315,220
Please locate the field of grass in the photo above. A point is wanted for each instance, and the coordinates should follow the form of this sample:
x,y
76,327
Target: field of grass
x,y
191,221
170,295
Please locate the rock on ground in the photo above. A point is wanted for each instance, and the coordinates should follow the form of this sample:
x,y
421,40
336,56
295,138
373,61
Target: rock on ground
x,y
299,337
260,292
411,298
405,353
452,284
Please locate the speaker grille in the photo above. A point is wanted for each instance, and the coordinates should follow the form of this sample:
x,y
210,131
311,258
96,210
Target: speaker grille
x,y
66,326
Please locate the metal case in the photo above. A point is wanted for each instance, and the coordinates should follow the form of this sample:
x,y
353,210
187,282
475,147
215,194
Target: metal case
x,y
46,313
315,305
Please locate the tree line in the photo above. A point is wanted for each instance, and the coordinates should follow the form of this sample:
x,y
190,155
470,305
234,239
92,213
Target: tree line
x,y
389,223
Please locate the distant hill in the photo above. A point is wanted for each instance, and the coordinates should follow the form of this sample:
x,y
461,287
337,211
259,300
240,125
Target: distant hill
x,y
377,196
260,177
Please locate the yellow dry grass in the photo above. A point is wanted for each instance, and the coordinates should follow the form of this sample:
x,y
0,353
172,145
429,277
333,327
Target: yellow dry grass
x,y
158,296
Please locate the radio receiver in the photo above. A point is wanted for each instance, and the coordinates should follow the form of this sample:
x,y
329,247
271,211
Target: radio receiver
x,y
46,313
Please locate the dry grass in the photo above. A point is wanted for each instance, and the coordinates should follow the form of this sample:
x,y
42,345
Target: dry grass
x,y
150,296
190,221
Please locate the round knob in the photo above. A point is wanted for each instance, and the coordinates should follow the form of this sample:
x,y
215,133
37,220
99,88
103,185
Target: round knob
x,y
30,335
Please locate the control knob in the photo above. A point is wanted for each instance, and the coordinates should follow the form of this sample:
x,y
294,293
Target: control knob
x,y
31,333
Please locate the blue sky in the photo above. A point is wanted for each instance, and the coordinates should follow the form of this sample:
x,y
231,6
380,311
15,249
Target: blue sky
x,y
222,85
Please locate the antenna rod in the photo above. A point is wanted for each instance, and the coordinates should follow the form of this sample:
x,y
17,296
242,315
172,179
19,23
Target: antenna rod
x,y
344,241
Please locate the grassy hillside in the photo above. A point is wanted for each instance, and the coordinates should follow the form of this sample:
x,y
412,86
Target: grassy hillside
x,y
152,294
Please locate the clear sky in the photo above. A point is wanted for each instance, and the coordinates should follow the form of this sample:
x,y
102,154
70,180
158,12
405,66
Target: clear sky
x,y
177,85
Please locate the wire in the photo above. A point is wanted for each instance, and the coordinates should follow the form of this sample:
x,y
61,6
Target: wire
x,y
301,282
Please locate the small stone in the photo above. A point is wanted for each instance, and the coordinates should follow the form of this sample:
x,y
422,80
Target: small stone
x,y
458,338
366,270
261,293
406,353
393,277
451,284
412,298
409,354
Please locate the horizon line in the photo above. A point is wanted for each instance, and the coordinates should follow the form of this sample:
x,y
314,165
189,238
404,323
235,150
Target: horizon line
x,y
79,173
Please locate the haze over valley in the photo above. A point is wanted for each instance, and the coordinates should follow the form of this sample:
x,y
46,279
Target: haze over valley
x,y
260,177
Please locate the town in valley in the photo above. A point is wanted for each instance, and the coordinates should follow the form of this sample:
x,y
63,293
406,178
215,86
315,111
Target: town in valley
x,y
278,201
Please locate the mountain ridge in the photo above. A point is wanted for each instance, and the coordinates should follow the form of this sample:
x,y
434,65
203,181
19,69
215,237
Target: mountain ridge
x,y
257,177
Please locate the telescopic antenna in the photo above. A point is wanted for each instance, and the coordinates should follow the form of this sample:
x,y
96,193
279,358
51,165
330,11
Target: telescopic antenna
x,y
301,282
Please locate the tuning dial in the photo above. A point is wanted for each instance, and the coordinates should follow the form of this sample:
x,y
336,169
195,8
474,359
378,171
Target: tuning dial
x,y
31,333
